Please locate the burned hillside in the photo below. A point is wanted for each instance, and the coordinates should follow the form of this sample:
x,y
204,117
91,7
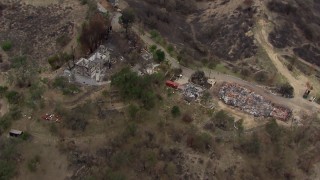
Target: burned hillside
x,y
37,31
229,37
296,26
203,28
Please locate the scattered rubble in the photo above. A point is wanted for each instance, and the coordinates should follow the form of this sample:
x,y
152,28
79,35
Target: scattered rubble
x,y
191,92
250,102
51,117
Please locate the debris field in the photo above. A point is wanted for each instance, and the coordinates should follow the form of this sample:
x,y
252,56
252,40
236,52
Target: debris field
x,y
248,101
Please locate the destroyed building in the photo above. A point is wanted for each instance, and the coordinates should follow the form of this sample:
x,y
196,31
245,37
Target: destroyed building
x,y
95,66
250,102
191,92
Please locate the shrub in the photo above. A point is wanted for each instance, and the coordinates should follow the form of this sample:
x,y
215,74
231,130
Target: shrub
x,y
286,90
13,97
25,136
6,46
3,90
153,48
170,48
159,56
200,142
187,118
33,163
175,111
223,121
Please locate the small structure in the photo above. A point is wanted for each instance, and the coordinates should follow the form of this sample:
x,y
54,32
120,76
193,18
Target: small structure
x,y
94,67
15,133
172,84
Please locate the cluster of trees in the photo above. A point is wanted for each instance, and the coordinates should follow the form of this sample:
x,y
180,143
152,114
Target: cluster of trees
x,y
132,86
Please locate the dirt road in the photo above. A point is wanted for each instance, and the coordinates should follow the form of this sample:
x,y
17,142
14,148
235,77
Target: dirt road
x,y
296,104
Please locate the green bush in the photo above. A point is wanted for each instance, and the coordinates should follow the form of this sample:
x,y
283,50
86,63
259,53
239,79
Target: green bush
x,y
170,48
25,136
33,163
153,48
13,97
6,46
175,111
3,90
159,56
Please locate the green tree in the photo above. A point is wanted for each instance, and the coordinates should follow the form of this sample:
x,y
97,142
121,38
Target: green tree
x,y
175,111
159,56
127,18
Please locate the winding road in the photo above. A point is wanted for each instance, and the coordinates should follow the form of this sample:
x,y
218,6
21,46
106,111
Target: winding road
x,y
297,104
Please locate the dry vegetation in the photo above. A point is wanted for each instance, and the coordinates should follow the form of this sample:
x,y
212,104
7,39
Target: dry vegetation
x,y
136,128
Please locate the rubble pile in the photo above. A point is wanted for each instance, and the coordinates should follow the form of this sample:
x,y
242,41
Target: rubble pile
x,y
250,102
191,92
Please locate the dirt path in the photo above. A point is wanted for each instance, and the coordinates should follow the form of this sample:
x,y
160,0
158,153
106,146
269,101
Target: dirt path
x,y
298,83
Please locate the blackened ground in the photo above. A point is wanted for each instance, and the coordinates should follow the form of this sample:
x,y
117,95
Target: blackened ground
x,y
284,36
223,37
297,26
309,53
227,37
